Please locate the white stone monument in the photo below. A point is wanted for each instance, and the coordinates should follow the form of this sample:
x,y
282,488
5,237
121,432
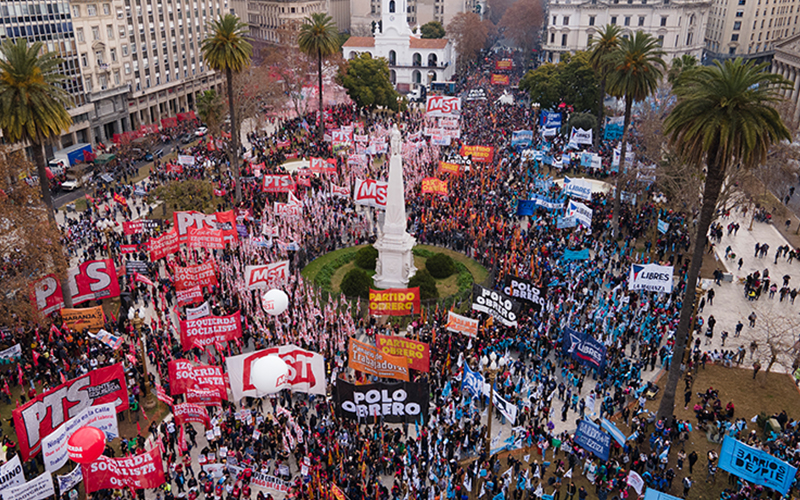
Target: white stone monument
x,y
395,264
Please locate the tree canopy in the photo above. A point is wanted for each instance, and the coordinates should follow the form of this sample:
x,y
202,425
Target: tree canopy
x,y
432,29
368,84
572,81
469,34
522,22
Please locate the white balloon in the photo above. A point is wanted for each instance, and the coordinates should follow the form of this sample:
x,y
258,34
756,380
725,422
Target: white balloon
x,y
269,374
275,302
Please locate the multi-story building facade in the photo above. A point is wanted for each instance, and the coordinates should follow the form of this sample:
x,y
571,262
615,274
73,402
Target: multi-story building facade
x,y
786,62
267,18
363,13
50,22
749,28
680,25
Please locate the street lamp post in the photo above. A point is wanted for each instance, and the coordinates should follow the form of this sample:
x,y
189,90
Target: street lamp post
x,y
137,319
659,200
491,367
106,227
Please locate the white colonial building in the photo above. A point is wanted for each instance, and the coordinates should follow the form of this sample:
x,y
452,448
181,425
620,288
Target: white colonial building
x,y
412,59
680,25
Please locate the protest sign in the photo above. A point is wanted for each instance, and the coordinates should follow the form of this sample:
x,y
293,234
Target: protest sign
x,y
584,348
394,301
368,359
46,294
441,105
306,371
479,154
462,324
370,193
71,480
578,188
205,331
11,474
525,291
432,185
592,439
267,275
417,353
495,303
36,489
200,311
81,319
756,466
201,275
651,278
392,403
183,375
54,446
93,280
142,471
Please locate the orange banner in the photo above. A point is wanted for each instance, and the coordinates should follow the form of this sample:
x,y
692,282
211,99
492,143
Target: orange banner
x,y
432,185
337,493
79,319
368,359
504,64
500,79
462,324
449,168
394,302
480,154
418,354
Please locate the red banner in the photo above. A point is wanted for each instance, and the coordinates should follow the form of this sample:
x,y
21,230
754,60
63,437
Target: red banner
x,y
203,397
279,184
93,280
266,276
46,295
191,295
190,412
202,275
41,416
500,79
480,154
320,166
166,244
169,122
123,249
205,331
183,375
226,223
418,354
432,185
162,396
137,226
504,64
449,168
138,472
219,221
394,302
173,168
441,105
205,238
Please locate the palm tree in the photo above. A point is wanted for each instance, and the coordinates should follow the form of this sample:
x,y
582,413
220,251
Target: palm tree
x,y
599,58
725,115
33,107
210,110
680,65
319,37
636,70
226,49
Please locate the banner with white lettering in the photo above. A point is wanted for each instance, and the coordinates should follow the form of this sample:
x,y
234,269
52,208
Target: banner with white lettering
x,y
393,403
578,188
54,446
442,105
71,480
205,331
525,291
267,275
495,303
306,371
93,280
37,489
142,471
580,136
370,193
581,213
651,278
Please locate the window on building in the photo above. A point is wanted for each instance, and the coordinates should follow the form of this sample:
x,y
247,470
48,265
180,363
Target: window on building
x,y
732,51
110,32
737,25
591,20
79,34
564,40
735,37
391,6
742,2
122,33
95,33
627,20
88,82
613,19
85,60
91,9
107,9
119,13
589,40
103,81
566,20
113,54
116,78
739,13
76,11
660,40
127,68
125,49
555,19
641,21
552,38
98,55
689,38
663,20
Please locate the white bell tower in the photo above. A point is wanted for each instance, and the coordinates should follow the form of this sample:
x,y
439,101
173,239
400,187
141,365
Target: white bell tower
x,y
393,17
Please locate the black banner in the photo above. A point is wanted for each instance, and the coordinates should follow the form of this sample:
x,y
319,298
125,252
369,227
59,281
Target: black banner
x,y
525,291
395,403
136,266
495,303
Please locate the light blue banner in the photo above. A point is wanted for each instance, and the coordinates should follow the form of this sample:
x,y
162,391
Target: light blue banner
x,y
652,494
570,255
756,466
663,227
472,381
612,429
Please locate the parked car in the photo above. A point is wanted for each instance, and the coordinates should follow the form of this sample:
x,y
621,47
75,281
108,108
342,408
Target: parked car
x,y
186,139
200,132
148,156
70,185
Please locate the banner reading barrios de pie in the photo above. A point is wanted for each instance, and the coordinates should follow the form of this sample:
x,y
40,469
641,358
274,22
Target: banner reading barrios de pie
x,y
418,354
394,301
369,359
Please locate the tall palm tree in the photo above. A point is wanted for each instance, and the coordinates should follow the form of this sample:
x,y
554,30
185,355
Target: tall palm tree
x,y
319,37
725,115
210,109
33,107
636,70
601,49
680,65
226,49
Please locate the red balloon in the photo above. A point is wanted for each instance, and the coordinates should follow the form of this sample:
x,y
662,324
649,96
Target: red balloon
x,y
86,445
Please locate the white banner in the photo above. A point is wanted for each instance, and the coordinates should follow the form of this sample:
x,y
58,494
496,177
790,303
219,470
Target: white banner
x,y
580,136
651,278
54,446
38,489
442,105
13,353
508,409
71,480
267,275
11,474
635,481
582,213
578,188
370,192
186,160
198,312
306,371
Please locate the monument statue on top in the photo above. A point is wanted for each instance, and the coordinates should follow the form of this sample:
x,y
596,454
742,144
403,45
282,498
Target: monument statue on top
x,y
395,264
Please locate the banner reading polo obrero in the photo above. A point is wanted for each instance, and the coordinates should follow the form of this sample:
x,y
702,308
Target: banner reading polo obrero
x,y
202,275
142,471
479,154
495,303
93,280
46,295
54,446
368,359
391,402
41,416
183,375
36,489
394,301
418,354
370,193
205,331
756,466
442,105
306,371
432,185
651,278
80,319
525,291
462,324
166,244
267,275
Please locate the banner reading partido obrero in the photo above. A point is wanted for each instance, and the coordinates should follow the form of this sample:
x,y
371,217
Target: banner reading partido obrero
x,y
306,371
142,471
418,354
480,154
394,301
205,331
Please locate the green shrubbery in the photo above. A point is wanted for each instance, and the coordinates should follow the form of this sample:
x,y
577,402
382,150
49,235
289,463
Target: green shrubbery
x,y
426,284
356,283
366,258
440,266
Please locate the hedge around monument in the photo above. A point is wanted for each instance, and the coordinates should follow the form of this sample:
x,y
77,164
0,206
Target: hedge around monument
x,y
356,283
366,258
426,284
440,266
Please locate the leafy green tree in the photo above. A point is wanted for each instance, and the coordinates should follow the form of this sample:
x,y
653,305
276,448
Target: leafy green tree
x,y
571,81
368,84
585,121
636,69
725,117
367,257
210,109
432,29
356,283
522,22
680,65
225,49
469,34
426,284
32,106
191,194
440,265
600,59
319,38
